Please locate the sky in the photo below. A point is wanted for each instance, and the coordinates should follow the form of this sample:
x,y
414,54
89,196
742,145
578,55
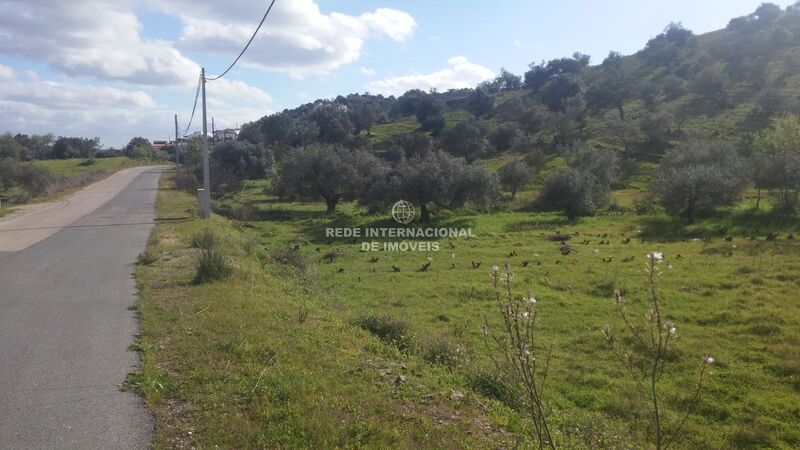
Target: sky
x,y
116,69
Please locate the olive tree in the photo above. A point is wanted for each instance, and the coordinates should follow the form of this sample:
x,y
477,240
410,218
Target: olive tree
x,y
699,176
323,171
515,174
448,182
777,162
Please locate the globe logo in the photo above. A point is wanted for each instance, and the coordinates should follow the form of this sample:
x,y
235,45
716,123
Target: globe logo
x,y
403,212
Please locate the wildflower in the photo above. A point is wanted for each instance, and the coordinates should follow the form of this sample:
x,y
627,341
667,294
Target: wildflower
x,y
597,250
671,329
495,269
708,360
485,329
733,246
607,332
526,351
530,299
655,256
452,255
669,267
525,315
617,296
430,258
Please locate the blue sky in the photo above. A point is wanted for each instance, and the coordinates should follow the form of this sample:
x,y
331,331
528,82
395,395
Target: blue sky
x,y
116,69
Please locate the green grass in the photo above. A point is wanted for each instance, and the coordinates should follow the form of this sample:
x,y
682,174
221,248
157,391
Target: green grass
x,y
233,362
76,166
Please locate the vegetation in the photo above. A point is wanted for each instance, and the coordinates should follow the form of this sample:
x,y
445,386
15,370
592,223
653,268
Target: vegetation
x,y
301,344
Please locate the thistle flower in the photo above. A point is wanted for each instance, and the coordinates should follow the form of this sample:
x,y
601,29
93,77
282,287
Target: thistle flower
x,y
495,269
708,360
655,256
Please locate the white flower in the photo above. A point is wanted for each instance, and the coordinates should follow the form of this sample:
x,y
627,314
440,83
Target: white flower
x,y
708,360
673,331
655,256
607,331
530,299
669,267
495,269
525,315
597,250
452,255
733,246
430,258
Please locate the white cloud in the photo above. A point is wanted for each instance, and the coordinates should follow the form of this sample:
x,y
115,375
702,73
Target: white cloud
x,y
367,71
31,105
91,38
460,74
297,38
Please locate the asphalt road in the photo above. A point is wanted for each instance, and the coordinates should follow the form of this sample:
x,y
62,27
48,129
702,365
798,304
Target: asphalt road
x,y
65,326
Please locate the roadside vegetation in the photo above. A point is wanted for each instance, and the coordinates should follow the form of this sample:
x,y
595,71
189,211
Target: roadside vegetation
x,y
631,282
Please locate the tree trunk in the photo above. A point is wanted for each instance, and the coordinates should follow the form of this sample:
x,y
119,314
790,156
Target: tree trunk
x,y
424,215
514,192
331,205
621,110
758,198
690,212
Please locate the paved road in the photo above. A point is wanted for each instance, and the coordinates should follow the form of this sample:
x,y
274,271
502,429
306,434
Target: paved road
x,y
65,326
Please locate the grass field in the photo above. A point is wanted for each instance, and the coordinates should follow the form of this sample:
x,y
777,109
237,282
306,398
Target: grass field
x,y
277,355
79,166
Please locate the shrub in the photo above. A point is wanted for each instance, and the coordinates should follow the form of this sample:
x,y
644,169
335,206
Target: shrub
x,y
88,162
493,386
444,353
389,329
211,266
204,240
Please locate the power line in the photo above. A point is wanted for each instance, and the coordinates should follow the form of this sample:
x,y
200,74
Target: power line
x,y
246,46
194,107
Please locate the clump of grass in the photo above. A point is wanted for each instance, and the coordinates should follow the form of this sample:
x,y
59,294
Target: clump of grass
x,y
146,258
444,353
205,240
302,314
389,329
211,266
493,385
292,257
88,162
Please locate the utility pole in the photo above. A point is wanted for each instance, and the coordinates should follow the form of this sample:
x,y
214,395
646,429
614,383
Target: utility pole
x,y
176,145
206,195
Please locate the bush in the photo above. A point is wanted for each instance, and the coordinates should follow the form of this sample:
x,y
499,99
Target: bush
x,y
492,385
211,266
389,329
204,240
443,353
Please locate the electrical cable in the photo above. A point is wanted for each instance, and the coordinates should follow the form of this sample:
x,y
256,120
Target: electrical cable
x,y
194,107
246,46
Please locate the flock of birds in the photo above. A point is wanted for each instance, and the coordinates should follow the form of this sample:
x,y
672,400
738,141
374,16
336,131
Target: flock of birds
x,y
560,238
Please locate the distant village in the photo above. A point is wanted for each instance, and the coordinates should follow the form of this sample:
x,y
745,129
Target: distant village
x,y
228,134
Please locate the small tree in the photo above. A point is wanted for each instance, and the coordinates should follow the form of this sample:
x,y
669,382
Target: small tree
x,y
699,176
646,359
480,102
465,139
232,162
777,161
574,192
320,171
443,180
514,174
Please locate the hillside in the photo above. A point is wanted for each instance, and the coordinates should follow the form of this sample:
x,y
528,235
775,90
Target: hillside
x,y
727,83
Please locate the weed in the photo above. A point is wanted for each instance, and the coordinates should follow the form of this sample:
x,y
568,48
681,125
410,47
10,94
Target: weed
x,y
205,240
147,258
389,329
211,266
444,353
